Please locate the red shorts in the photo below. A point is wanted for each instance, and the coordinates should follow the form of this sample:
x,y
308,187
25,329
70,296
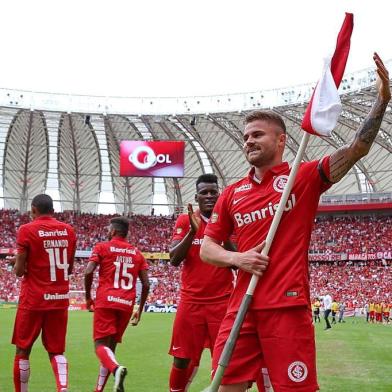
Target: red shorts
x,y
196,326
371,314
386,315
52,323
111,322
283,338
378,317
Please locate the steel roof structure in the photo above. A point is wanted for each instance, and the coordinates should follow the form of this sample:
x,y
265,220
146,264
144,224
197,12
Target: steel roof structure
x,y
68,146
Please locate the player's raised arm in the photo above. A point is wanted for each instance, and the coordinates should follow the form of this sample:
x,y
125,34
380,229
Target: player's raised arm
x,y
180,247
343,159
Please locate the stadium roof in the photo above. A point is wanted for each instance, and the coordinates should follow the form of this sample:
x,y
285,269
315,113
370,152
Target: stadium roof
x,y
68,146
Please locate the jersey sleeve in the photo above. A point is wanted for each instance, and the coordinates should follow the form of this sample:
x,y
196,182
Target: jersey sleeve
x,y
315,175
96,254
22,240
181,228
73,239
323,168
220,226
72,247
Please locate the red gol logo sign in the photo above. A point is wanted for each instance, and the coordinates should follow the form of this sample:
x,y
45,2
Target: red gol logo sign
x,y
152,159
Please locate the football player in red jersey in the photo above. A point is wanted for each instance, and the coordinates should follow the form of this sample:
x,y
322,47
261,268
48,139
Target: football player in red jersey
x,y
120,264
278,326
205,289
45,255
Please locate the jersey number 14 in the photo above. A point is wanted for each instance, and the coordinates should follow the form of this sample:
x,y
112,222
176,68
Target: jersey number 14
x,y
58,259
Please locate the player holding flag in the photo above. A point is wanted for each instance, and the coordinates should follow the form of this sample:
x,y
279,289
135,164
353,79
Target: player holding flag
x,y
278,328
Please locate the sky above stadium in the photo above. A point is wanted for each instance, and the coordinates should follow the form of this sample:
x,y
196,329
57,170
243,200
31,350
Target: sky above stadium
x,y
180,48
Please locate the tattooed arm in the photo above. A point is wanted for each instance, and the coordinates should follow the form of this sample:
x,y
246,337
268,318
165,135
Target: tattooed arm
x,y
343,159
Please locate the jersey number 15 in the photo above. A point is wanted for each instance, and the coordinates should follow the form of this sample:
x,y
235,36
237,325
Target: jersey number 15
x,y
122,278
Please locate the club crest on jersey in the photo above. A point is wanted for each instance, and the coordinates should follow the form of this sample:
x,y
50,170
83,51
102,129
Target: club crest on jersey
x,y
242,188
179,230
297,371
214,218
279,183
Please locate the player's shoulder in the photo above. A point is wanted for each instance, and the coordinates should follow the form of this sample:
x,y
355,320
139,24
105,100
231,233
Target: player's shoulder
x,y
30,227
182,218
134,250
27,226
309,165
132,247
237,189
102,245
243,185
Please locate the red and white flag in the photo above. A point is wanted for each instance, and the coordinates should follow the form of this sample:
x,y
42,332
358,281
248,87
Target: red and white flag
x,y
324,108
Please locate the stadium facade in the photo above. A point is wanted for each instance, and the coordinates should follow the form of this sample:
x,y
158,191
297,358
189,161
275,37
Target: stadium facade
x,y
68,146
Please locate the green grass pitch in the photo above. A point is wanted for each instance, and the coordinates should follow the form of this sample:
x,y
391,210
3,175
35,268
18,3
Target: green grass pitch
x,y
351,357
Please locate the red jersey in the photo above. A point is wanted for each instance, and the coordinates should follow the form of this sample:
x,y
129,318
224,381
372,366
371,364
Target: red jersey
x,y
201,282
50,246
119,265
246,209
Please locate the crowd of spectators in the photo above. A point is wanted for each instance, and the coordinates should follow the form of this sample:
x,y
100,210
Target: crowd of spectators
x,y
351,234
350,281
148,233
166,291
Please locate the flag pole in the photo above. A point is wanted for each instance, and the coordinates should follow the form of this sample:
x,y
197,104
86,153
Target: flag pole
x,y
231,341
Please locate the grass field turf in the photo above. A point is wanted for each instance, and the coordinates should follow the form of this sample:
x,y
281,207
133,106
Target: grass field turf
x,y
351,357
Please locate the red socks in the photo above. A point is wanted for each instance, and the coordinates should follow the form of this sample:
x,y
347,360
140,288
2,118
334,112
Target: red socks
x,y
21,373
178,379
107,358
60,369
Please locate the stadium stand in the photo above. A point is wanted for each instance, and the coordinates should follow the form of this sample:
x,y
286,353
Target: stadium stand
x,y
353,280
354,283
148,233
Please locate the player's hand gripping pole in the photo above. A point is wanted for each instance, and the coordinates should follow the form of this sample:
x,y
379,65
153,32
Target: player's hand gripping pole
x,y
231,341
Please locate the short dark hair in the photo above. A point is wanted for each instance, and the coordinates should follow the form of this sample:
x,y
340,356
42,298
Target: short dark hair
x,y
208,178
266,115
120,225
43,203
